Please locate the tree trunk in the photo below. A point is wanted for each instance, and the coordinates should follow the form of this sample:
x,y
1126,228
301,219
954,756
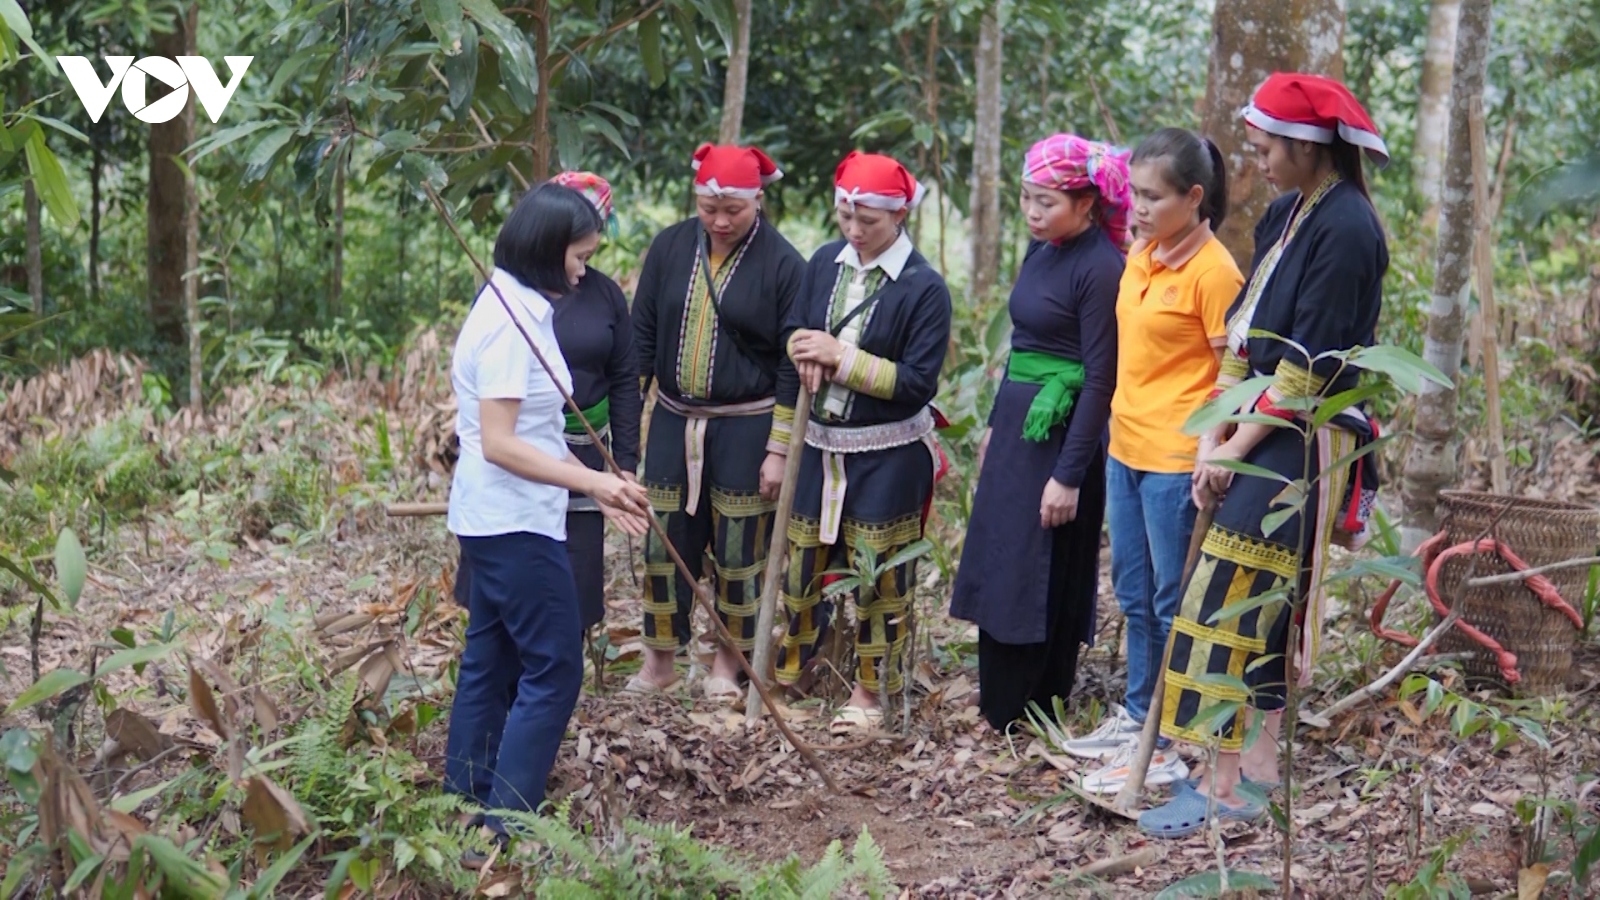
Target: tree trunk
x,y
541,108
1433,106
1431,464
336,293
33,250
733,90
986,158
1251,39
97,164
167,220
191,232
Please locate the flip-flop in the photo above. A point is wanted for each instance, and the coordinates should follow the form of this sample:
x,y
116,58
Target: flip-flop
x,y
1186,813
720,690
855,718
638,684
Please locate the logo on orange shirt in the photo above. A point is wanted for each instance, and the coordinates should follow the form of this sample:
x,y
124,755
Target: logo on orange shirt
x,y
1170,295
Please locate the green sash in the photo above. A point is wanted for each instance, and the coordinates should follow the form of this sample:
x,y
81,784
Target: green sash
x,y
1059,382
599,416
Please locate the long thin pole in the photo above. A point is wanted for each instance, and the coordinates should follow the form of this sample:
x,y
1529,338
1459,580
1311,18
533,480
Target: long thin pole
x,y
1134,786
701,593
777,550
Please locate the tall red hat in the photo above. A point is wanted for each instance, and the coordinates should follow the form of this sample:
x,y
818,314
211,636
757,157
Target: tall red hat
x,y
876,181
725,170
1313,108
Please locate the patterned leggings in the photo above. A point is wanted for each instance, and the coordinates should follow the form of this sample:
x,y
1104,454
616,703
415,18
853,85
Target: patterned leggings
x,y
882,622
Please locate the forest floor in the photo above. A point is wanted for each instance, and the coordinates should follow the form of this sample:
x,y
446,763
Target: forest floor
x,y
1396,791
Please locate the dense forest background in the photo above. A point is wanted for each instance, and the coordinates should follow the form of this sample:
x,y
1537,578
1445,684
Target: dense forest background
x,y
222,347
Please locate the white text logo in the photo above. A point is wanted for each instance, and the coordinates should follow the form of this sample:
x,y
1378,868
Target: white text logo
x,y
187,72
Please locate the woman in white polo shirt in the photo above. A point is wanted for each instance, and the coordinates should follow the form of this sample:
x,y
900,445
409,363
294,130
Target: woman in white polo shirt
x,y
522,666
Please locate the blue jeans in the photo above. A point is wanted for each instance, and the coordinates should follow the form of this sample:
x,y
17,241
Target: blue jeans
x,y
520,674
1151,516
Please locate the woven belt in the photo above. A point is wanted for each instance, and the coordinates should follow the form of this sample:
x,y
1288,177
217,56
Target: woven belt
x,y
694,435
837,441
582,439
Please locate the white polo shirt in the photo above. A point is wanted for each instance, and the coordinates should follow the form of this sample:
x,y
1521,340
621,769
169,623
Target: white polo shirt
x,y
492,362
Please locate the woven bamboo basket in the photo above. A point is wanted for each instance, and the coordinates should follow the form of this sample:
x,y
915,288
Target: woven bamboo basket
x,y
1541,532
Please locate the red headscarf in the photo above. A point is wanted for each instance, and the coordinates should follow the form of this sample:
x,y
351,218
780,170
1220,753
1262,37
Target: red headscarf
x,y
876,181
725,170
1313,108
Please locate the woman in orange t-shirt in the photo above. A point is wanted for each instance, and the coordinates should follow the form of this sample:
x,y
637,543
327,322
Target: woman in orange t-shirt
x,y
1171,324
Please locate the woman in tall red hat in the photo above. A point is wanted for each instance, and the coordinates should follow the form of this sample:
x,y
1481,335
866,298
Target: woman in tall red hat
x,y
868,337
1317,280
715,291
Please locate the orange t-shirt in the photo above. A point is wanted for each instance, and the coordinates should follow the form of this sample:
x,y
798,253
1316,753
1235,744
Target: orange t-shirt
x,y
1171,318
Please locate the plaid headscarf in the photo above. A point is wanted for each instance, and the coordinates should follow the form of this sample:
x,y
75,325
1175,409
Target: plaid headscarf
x,y
594,189
1066,162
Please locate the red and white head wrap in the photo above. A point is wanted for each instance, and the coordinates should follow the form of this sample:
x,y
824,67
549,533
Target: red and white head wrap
x,y
1313,108
725,170
593,188
876,181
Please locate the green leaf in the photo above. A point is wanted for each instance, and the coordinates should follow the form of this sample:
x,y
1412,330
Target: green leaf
x,y
420,170
1407,370
134,656
183,875
1344,400
461,70
50,180
650,49
1272,521
17,20
1209,884
1239,607
1344,461
569,143
216,141
1213,717
81,874
129,802
1222,409
1405,569
400,140
1435,698
444,20
268,881
52,685
21,865
517,62
914,550
339,874
19,750
259,162
30,579
1240,467
62,127
1222,681
1587,856
72,569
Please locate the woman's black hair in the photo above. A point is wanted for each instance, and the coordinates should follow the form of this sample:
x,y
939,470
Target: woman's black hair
x,y
1190,160
1346,158
533,242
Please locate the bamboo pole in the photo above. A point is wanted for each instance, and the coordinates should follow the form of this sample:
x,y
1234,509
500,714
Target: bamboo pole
x,y
1489,317
1133,788
777,551
701,593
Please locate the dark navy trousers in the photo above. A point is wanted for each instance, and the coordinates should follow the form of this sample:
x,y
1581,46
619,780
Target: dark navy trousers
x,y
520,674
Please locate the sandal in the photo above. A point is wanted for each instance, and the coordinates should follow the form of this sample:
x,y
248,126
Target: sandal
x,y
856,718
638,684
720,690
1187,813
1193,784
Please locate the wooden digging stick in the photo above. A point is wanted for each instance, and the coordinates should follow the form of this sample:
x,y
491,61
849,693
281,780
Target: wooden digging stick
x,y
1133,788
412,510
701,593
777,550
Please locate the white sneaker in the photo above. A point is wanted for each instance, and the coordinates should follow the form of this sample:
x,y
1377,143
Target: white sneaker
x,y
1116,730
1166,767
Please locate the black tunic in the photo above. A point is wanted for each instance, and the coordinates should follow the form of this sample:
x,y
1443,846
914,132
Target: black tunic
x,y
908,324
596,338
1010,582
758,298
1326,291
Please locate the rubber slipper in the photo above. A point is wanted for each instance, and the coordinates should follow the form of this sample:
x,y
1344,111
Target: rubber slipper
x,y
1193,784
1186,813
855,718
720,690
